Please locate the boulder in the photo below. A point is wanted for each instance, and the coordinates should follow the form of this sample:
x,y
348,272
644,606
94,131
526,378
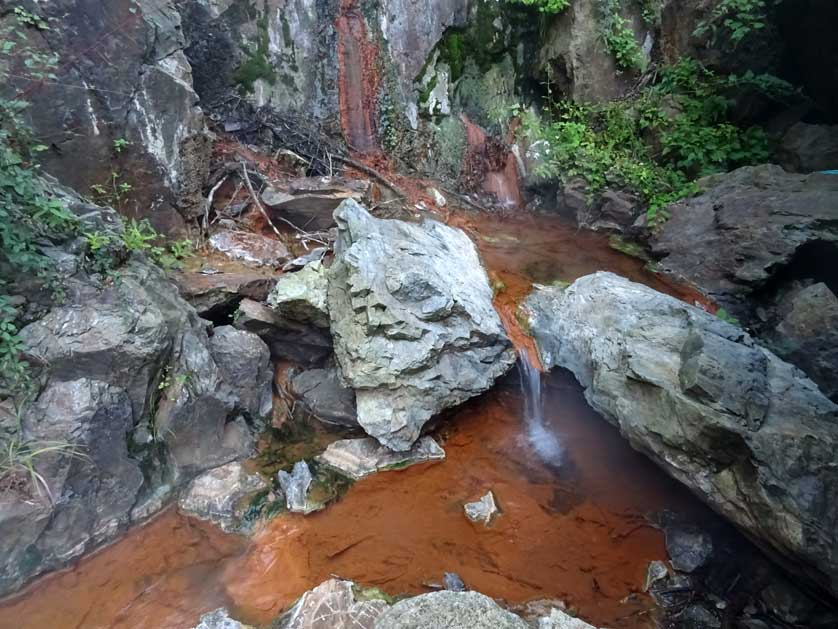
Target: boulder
x,y
245,363
310,202
286,339
807,334
689,548
325,397
332,605
358,458
745,228
747,432
220,292
449,609
809,147
302,296
413,323
130,386
250,248
220,495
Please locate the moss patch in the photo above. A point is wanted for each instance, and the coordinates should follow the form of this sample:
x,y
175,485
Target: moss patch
x,y
257,66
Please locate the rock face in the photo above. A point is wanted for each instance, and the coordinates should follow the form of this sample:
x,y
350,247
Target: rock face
x,y
245,363
412,322
332,605
218,495
747,225
138,88
449,609
358,458
748,239
809,147
325,397
748,433
132,386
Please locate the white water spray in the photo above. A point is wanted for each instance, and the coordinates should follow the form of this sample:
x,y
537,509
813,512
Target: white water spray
x,y
545,443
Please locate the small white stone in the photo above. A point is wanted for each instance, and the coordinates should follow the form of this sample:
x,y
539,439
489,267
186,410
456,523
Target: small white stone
x,y
483,511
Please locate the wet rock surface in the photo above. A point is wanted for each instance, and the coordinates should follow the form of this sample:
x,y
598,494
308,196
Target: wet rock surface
x,y
358,458
412,321
220,495
672,378
220,619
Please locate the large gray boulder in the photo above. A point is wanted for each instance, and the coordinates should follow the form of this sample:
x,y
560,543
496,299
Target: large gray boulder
x,y
746,227
447,610
413,324
141,401
748,240
747,432
332,605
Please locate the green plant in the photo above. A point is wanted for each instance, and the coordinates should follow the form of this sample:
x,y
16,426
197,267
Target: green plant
x,y
19,458
736,19
29,215
114,192
545,6
619,37
724,315
656,143
120,144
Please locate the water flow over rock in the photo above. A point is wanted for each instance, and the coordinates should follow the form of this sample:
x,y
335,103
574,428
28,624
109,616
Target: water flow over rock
x,y
545,442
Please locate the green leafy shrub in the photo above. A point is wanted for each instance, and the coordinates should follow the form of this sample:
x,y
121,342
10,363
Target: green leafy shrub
x,y
545,6
735,20
656,143
619,37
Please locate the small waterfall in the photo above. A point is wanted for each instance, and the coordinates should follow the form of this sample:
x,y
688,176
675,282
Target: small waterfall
x,y
545,443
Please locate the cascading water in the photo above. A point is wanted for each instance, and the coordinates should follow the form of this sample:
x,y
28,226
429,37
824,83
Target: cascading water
x,y
545,443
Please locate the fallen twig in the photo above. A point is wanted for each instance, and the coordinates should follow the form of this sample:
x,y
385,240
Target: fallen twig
x,y
257,202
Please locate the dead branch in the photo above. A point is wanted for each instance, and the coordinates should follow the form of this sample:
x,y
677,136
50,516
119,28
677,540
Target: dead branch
x,y
370,172
257,202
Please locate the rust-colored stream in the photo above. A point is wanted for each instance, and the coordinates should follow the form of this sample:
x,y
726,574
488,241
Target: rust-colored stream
x,y
577,532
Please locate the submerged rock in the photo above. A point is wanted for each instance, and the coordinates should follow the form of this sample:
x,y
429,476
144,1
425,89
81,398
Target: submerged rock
x,y
483,511
413,324
325,397
332,605
358,458
295,486
688,548
748,433
449,609
218,495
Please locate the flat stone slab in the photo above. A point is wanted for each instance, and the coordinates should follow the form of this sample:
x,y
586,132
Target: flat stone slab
x,y
482,511
359,458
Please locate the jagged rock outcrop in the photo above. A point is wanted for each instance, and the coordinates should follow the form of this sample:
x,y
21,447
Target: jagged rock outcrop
x,y
130,81
141,400
413,323
747,225
221,495
749,238
748,433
